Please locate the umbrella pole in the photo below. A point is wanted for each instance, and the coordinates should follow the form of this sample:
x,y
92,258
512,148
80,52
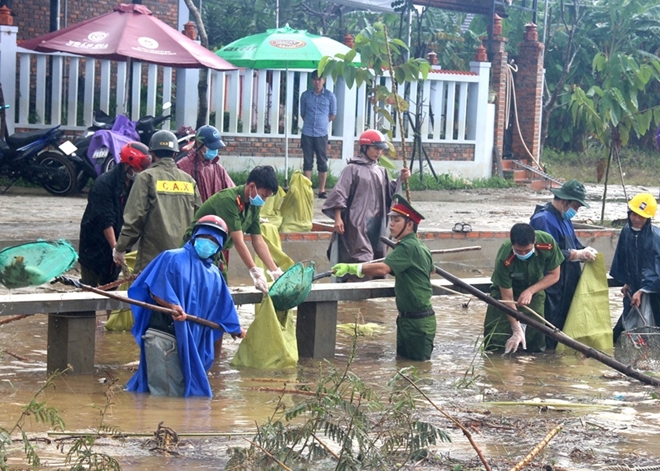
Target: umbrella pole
x,y
286,130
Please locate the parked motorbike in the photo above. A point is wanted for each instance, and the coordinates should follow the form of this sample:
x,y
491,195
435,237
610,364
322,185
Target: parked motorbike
x,y
37,157
103,158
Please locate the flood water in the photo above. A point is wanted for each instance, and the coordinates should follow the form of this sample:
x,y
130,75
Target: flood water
x,y
625,429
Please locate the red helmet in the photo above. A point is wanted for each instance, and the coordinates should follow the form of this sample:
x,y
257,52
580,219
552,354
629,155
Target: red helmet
x,y
212,221
371,137
136,155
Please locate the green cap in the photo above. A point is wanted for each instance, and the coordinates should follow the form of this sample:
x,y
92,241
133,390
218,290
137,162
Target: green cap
x,y
401,207
572,190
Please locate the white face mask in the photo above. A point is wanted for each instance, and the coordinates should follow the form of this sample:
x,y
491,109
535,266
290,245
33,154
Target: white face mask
x,y
635,229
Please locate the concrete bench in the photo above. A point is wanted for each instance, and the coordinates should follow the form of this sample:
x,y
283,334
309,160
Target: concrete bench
x,y
72,316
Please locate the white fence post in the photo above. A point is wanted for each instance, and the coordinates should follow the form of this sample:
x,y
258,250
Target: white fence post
x,y
344,123
477,118
8,71
186,97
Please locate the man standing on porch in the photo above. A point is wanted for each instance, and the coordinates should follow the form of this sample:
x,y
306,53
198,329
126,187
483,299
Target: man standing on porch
x,y
318,107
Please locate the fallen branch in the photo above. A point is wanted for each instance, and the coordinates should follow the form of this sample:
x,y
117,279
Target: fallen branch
x,y
466,432
18,357
537,449
14,318
282,465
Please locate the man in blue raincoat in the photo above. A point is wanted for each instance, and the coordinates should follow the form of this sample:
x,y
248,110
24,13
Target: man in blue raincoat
x,y
555,219
636,264
174,355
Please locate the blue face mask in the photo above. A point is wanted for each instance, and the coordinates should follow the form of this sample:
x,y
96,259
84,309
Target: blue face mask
x,y
205,248
526,256
570,213
210,154
257,201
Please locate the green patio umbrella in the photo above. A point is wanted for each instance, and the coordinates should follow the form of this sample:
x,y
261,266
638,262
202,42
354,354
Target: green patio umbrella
x,y
282,48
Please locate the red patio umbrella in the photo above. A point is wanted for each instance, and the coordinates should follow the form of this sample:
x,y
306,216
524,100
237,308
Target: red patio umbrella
x,y
129,32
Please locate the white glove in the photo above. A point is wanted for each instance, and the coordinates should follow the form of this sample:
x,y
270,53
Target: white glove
x,y
259,279
518,338
119,257
587,254
275,274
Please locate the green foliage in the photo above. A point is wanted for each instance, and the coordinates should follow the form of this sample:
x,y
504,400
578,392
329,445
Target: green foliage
x,y
345,414
449,182
240,177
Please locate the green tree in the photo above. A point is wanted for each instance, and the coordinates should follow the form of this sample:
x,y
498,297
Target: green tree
x,y
611,108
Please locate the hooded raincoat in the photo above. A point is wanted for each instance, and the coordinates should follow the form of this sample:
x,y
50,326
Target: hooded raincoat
x,y
364,194
559,296
210,176
636,263
180,277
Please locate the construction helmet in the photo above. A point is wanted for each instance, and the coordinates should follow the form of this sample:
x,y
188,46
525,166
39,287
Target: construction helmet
x,y
164,140
210,137
212,225
643,205
136,155
371,137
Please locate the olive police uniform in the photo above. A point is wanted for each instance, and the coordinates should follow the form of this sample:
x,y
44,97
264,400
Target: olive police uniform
x,y
411,264
511,272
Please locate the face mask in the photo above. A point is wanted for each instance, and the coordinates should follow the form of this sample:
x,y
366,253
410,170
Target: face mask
x,y
570,213
526,256
205,248
210,154
257,200
635,229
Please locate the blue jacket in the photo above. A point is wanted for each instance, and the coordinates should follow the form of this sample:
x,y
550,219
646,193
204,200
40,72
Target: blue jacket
x,y
180,277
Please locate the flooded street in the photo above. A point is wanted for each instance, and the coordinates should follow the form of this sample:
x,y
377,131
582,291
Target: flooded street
x,y
607,418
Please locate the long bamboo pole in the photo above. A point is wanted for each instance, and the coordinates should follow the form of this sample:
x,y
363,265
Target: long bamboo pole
x,y
556,334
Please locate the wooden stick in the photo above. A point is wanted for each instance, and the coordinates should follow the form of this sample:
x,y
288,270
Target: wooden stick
x,y
537,449
558,335
14,318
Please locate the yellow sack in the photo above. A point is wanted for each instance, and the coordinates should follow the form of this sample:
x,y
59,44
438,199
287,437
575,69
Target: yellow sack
x,y
588,319
298,206
271,209
270,341
272,237
122,319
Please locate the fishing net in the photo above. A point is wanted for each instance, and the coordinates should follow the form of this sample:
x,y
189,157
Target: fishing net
x,y
35,263
639,348
293,287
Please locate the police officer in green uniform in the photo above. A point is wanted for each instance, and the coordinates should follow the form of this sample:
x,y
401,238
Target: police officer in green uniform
x,y
527,264
411,263
240,208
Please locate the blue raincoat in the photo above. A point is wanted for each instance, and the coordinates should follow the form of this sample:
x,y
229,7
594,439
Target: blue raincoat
x,y
636,262
180,277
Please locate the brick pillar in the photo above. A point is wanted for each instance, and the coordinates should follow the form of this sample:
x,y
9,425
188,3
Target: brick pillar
x,y
499,58
529,94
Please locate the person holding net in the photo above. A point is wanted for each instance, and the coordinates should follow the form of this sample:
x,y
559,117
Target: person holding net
x,y
411,264
175,356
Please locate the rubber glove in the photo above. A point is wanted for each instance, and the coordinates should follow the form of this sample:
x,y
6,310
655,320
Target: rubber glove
x,y
119,257
587,254
275,274
516,339
342,269
259,279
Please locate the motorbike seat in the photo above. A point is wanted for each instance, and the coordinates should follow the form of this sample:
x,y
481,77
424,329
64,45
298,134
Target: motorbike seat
x,y
21,139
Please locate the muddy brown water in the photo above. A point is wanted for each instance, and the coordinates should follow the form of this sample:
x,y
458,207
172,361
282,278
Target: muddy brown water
x,y
622,427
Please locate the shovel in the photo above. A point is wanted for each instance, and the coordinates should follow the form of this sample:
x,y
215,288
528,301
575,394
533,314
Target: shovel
x,y
197,320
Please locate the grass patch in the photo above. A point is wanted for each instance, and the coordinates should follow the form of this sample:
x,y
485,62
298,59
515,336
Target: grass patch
x,y
640,167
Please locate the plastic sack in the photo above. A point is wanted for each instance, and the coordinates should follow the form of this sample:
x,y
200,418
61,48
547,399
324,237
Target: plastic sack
x,y
272,238
271,209
298,206
588,320
270,341
122,319
35,263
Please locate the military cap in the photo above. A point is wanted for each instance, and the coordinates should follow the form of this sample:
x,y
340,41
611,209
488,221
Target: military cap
x,y
401,207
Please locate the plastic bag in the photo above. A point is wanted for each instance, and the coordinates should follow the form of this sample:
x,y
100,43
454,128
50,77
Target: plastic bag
x,y
298,206
272,238
122,319
271,209
270,341
588,319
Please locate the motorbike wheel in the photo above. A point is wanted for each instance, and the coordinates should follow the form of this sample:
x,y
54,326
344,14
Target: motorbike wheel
x,y
109,163
81,180
63,181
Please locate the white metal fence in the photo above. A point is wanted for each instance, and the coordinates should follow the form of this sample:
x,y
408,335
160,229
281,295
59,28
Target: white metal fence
x,y
49,89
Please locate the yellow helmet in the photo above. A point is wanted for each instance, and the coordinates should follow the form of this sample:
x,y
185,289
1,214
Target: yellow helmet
x,y
643,205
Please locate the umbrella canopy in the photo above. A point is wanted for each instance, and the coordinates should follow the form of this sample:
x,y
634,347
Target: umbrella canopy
x,y
280,48
130,31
